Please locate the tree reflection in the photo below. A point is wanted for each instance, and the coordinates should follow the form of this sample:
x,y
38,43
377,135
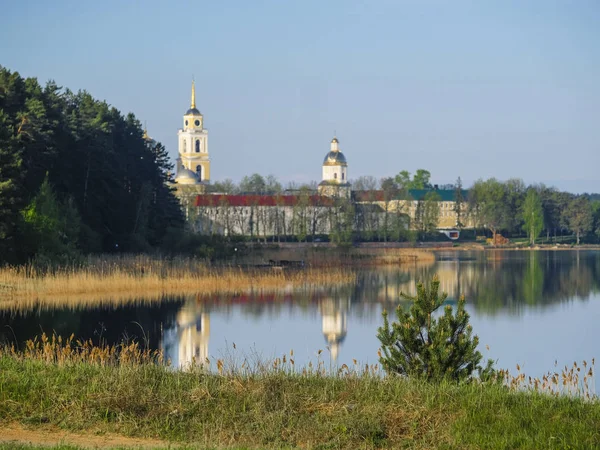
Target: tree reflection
x,y
493,282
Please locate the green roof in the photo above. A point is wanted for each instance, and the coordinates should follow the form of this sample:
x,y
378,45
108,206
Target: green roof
x,y
446,195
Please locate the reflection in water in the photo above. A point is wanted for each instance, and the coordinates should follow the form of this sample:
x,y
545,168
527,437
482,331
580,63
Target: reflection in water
x,y
334,313
530,307
186,342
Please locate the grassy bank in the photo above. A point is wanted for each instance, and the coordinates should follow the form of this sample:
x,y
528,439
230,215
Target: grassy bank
x,y
140,277
277,407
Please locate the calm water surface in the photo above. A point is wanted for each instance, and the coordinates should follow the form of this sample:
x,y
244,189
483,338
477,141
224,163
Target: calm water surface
x,y
530,308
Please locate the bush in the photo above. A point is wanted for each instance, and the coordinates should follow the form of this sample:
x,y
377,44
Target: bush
x,y
419,345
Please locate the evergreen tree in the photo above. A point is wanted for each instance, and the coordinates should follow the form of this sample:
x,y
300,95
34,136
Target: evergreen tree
x,y
96,161
435,349
52,227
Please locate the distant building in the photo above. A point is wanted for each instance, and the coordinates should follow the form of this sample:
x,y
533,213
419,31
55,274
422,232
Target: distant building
x,y
305,213
193,164
335,173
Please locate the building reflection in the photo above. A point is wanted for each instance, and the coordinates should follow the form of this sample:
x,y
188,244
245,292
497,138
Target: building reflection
x,y
186,342
334,312
386,284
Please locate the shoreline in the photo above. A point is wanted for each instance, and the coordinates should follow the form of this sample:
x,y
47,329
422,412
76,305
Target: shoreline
x,y
133,400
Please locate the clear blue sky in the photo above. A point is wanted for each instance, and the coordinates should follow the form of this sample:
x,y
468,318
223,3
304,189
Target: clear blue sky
x,y
470,88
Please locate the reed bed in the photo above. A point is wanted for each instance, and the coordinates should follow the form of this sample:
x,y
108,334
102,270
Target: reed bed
x,y
351,257
136,278
126,390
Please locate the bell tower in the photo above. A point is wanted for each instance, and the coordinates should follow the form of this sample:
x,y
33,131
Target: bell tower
x,y
193,142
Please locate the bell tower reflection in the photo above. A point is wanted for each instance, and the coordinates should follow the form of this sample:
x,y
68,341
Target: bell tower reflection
x,y
186,342
334,313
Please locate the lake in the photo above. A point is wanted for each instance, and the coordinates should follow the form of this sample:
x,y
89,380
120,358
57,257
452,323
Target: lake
x,y
532,308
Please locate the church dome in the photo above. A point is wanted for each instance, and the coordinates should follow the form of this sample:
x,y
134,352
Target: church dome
x,y
193,112
186,176
335,158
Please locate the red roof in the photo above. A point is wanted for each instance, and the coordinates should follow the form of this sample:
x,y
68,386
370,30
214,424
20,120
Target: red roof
x,y
369,196
260,200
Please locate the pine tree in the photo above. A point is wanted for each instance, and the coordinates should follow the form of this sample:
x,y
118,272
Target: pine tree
x,y
435,349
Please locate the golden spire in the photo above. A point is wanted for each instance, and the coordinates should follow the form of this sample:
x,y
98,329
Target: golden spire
x,y
145,135
193,105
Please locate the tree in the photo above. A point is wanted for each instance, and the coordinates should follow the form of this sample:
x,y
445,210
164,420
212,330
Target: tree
x,y
596,214
514,195
255,184
53,227
226,186
487,204
532,215
403,180
390,190
459,201
579,216
421,179
427,213
95,159
435,349
365,183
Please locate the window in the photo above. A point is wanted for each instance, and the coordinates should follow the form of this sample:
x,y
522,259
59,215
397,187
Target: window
x,y
197,123
342,176
335,176
199,172
184,146
197,145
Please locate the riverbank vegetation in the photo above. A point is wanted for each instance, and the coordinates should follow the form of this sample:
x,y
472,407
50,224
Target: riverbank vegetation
x,y
141,277
78,387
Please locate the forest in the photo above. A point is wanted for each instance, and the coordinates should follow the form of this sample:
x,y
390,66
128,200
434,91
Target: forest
x,y
77,176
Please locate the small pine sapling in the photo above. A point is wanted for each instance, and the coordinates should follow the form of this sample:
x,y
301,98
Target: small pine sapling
x,y
431,348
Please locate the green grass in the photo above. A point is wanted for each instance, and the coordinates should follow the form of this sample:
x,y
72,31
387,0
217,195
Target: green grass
x,y
281,409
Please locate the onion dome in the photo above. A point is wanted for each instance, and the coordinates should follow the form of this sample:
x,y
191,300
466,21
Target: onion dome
x,y
186,176
335,158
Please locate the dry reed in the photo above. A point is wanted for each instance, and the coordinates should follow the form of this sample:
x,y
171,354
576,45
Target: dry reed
x,y
575,381
351,257
55,350
136,278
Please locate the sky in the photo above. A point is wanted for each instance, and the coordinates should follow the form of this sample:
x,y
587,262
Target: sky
x,y
475,89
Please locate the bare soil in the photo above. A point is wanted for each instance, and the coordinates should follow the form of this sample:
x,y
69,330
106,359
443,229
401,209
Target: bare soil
x,y
14,433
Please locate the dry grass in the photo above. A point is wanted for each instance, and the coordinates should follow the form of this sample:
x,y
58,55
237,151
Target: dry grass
x,y
576,381
145,279
339,257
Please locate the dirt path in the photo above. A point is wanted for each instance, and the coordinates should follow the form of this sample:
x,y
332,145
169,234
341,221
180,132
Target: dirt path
x,y
50,436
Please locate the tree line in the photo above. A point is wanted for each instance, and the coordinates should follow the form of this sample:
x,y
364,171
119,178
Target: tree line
x,y
508,207
77,175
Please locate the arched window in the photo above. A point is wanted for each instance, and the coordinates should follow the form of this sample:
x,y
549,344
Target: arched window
x,y
197,145
335,175
342,176
184,146
199,172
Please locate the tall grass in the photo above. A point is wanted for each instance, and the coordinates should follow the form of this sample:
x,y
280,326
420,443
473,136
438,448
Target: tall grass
x,y
124,390
138,277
